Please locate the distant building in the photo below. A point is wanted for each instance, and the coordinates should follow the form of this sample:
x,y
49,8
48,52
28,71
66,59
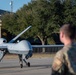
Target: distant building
x,y
3,11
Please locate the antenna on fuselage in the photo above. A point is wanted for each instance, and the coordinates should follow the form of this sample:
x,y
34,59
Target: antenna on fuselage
x,y
19,35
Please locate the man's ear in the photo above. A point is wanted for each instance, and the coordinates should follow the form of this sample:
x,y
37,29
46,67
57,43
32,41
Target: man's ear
x,y
61,34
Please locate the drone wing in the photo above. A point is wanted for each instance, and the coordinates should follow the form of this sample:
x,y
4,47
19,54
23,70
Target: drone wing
x,y
19,35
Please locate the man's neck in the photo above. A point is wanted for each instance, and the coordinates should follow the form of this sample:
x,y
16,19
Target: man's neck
x,y
68,42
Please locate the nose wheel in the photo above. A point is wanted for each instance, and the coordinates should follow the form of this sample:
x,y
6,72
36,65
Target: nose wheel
x,y
21,65
28,64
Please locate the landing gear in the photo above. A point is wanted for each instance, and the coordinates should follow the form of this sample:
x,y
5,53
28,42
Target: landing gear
x,y
28,64
21,61
21,65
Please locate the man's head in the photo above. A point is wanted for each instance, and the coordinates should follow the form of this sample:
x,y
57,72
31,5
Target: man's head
x,y
67,32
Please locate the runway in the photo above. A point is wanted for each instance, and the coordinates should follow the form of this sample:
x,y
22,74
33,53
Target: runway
x,y
39,66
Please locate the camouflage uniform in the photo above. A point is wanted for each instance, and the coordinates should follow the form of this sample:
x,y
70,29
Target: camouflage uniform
x,y
66,56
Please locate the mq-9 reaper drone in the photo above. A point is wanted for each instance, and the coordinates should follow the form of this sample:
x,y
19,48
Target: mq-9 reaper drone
x,y
23,48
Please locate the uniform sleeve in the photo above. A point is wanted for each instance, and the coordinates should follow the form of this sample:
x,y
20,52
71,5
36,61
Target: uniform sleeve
x,y
57,63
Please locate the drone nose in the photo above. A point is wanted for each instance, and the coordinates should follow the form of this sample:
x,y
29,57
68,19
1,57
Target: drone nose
x,y
29,54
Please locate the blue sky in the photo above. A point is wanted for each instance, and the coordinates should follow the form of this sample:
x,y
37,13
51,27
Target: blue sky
x,y
17,4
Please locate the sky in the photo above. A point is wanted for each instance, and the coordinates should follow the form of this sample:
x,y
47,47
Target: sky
x,y
17,4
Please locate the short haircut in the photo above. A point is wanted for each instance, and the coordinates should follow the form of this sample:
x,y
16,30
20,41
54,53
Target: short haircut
x,y
69,30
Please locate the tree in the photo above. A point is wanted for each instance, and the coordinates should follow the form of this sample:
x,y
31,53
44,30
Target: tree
x,y
69,11
9,22
45,16
24,19
41,15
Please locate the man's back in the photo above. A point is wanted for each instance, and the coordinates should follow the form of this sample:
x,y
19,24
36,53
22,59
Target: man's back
x,y
65,59
70,57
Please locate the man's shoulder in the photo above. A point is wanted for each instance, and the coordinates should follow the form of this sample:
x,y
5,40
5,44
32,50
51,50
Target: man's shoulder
x,y
59,54
61,51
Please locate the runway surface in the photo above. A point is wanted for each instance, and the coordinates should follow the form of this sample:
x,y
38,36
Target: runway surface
x,y
39,66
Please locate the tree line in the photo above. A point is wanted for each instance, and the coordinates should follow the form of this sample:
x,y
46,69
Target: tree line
x,y
45,17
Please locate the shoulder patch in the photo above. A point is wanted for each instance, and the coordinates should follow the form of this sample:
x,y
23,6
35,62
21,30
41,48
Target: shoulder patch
x,y
56,64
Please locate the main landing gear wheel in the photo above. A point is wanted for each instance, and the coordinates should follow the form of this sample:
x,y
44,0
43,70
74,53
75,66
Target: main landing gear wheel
x,y
28,64
21,65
